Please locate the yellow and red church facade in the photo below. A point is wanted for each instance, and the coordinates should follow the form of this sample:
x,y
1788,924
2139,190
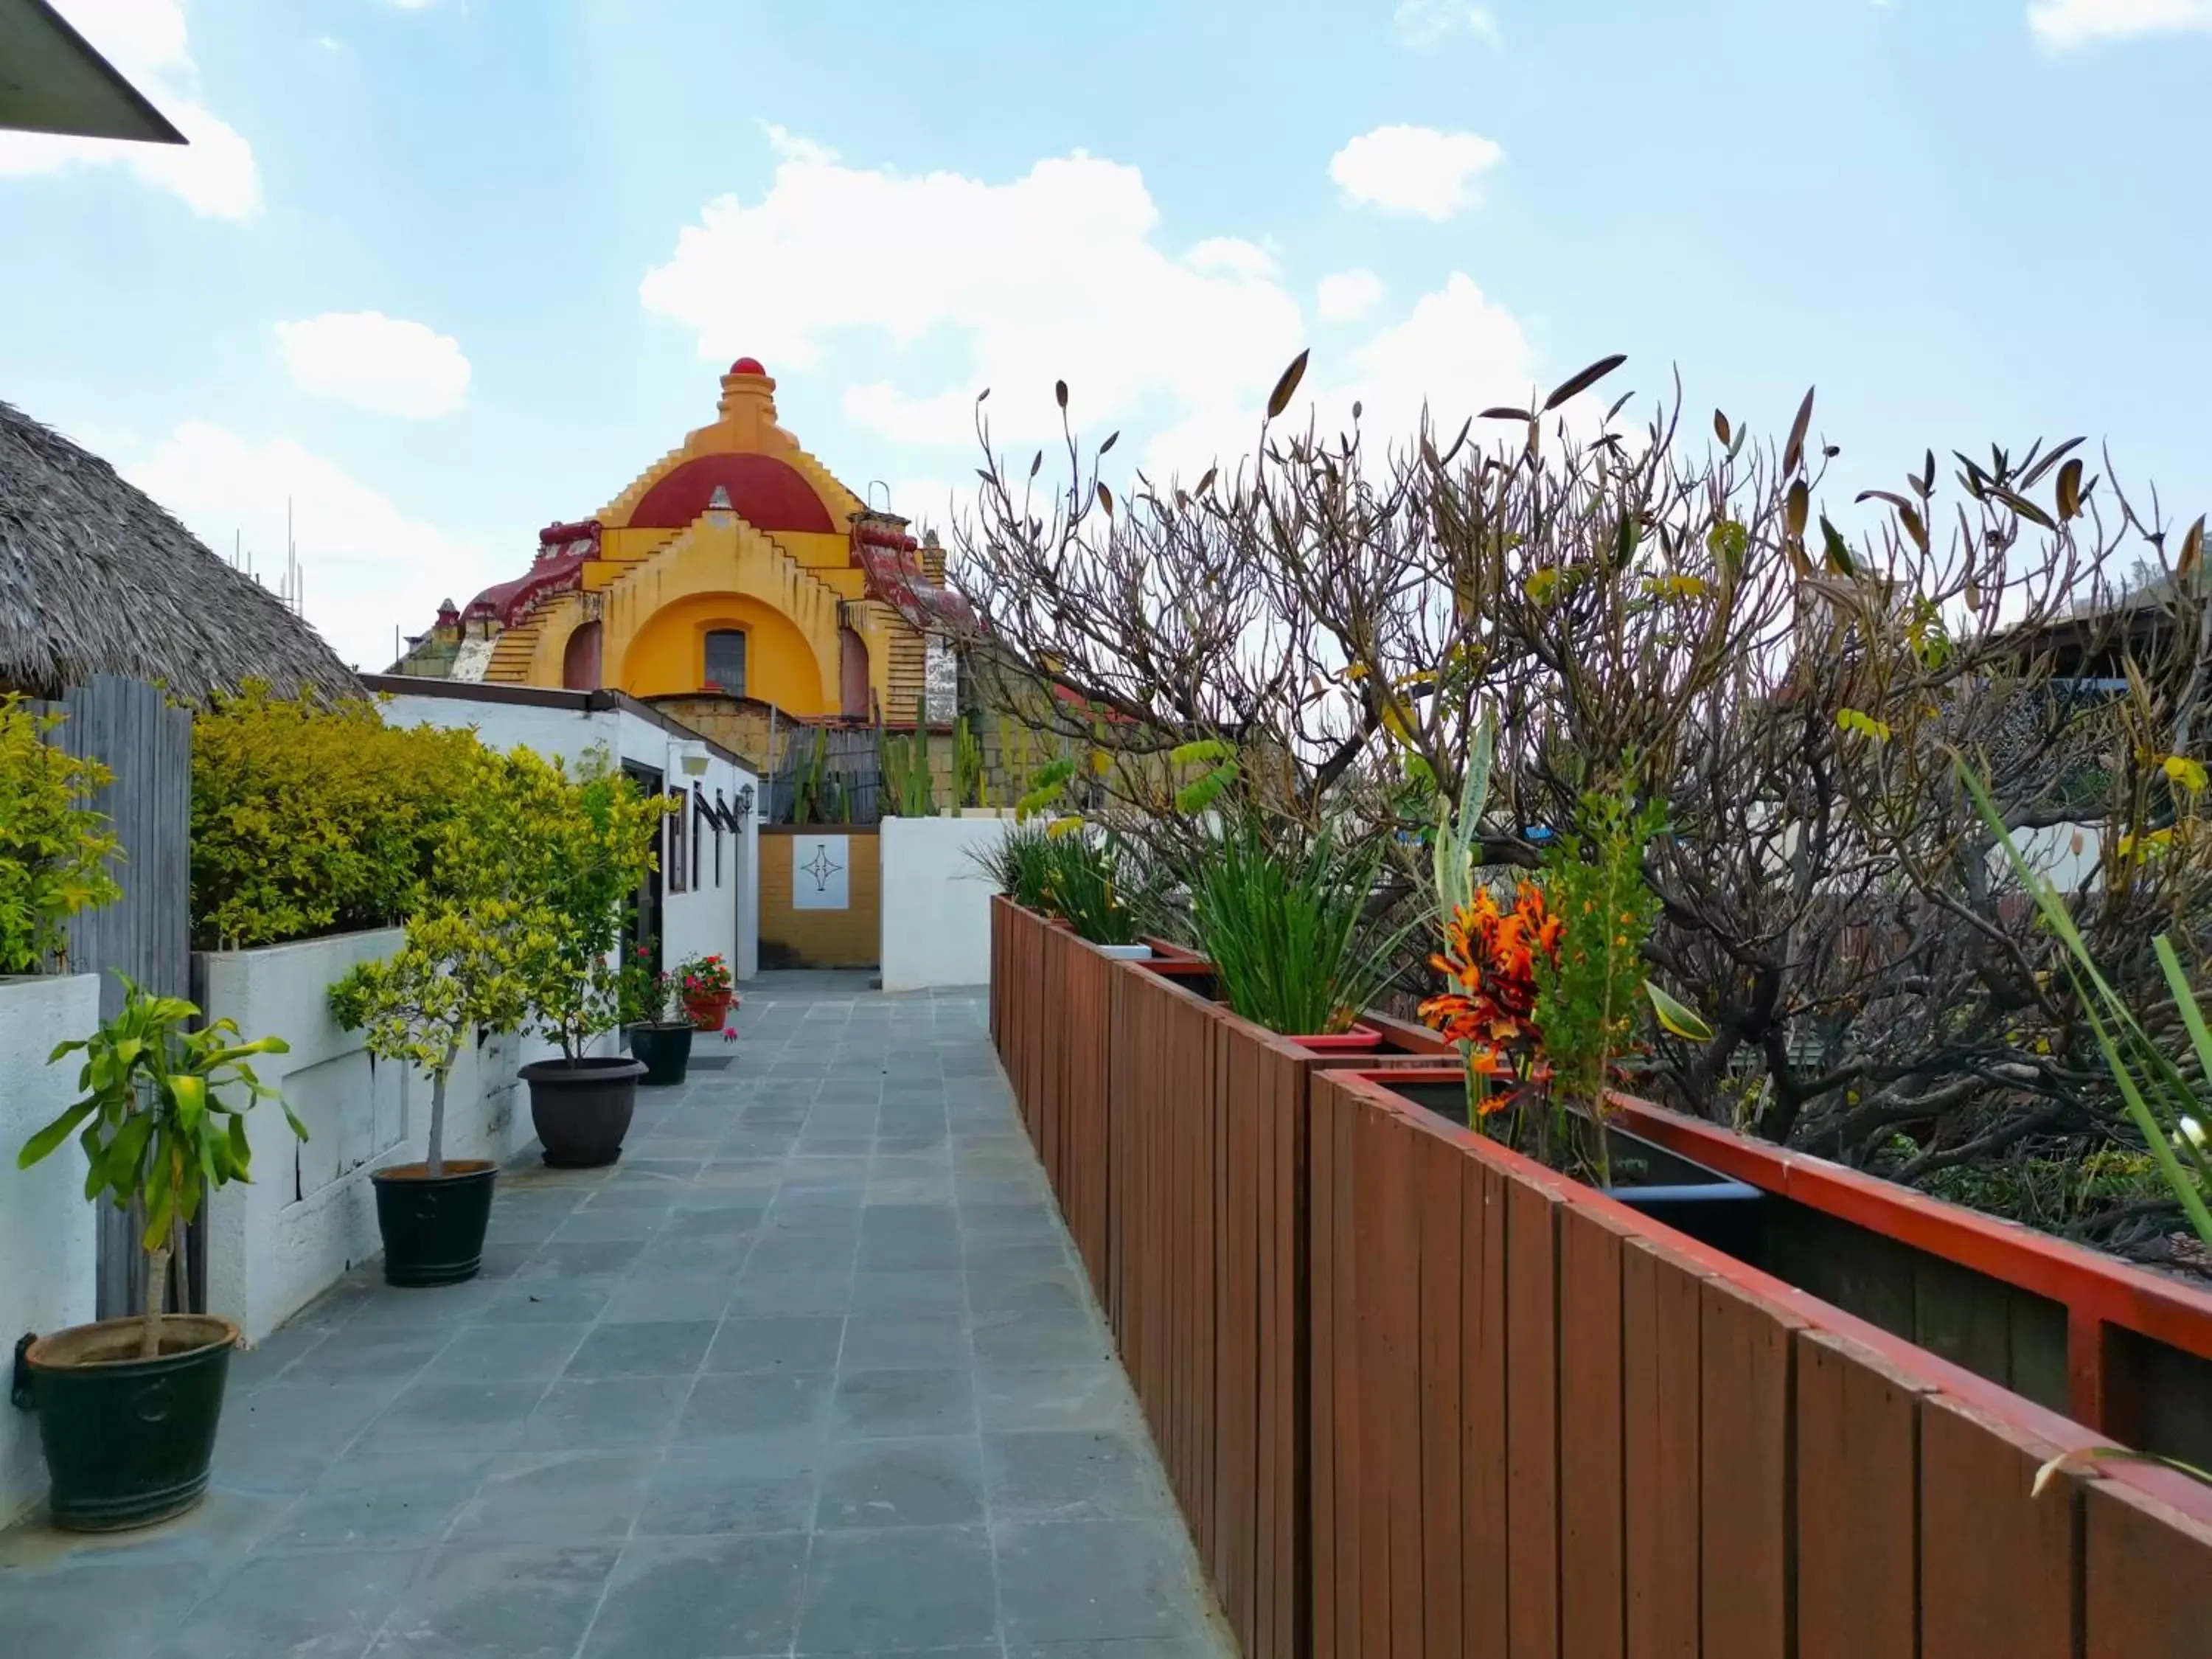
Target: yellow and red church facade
x,y
736,570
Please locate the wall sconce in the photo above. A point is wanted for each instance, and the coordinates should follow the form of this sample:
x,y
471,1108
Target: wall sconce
x,y
744,802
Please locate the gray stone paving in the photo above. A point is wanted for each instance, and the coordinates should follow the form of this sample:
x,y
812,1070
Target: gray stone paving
x,y
812,1371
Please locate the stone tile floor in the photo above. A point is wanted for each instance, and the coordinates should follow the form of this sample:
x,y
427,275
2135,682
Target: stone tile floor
x,y
813,1371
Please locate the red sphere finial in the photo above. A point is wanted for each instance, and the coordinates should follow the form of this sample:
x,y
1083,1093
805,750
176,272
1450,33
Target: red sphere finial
x,y
748,365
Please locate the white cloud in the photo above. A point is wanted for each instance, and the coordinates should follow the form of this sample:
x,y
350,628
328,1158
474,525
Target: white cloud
x,y
1348,295
213,175
1061,273
2068,23
1427,23
367,564
1457,352
1418,170
930,503
377,362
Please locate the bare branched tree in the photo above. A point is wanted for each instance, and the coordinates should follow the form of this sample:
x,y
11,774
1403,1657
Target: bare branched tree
x,y
1652,612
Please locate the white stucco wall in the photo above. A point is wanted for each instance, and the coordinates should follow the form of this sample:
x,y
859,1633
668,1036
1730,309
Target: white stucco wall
x,y
936,901
309,1214
49,1248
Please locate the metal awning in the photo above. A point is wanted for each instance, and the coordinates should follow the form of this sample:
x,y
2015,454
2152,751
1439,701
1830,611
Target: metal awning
x,y
53,81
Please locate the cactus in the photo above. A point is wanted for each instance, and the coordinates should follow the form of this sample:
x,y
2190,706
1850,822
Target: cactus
x,y
910,792
969,787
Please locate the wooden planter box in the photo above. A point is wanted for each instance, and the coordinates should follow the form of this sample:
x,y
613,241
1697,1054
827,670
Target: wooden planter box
x,y
2113,1346
1417,1395
1543,1422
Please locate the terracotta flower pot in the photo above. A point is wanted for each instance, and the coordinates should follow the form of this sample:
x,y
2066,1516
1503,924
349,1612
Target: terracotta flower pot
x,y
708,1014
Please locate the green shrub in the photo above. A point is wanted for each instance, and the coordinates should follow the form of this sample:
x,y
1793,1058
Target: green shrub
x,y
54,851
310,819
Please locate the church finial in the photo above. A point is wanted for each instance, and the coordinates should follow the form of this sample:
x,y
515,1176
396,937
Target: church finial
x,y
748,400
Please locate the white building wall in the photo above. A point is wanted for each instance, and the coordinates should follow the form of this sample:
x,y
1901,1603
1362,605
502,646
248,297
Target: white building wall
x,y
309,1214
936,901
721,918
49,1240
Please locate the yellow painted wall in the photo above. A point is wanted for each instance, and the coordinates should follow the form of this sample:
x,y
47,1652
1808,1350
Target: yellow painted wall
x,y
789,938
669,654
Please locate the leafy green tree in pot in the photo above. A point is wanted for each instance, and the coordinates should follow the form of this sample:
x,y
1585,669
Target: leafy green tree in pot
x,y
162,1120
459,971
582,847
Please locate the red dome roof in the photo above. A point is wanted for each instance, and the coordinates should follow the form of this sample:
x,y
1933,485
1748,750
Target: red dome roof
x,y
768,494
747,365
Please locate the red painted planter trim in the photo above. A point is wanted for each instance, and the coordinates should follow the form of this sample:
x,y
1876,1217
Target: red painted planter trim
x,y
2095,1290
1361,1036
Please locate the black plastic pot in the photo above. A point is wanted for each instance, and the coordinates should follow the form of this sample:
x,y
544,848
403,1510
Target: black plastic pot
x,y
127,1440
434,1229
582,1108
664,1050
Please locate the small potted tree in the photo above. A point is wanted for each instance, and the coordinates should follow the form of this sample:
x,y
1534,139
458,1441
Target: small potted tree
x,y
456,974
660,1037
708,994
583,848
128,1407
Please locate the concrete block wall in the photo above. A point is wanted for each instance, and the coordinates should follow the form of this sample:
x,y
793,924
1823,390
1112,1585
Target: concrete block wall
x,y
49,1249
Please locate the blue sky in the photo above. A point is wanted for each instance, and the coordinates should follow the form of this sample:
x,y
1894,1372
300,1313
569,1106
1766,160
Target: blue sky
x,y
445,271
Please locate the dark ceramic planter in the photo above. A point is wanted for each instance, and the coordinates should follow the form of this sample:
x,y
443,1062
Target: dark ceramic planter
x,y
127,1440
434,1229
582,1108
664,1050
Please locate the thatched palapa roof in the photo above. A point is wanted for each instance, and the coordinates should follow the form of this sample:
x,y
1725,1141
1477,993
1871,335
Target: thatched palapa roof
x,y
96,579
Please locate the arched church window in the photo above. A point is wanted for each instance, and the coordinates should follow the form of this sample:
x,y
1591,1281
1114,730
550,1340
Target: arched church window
x,y
725,661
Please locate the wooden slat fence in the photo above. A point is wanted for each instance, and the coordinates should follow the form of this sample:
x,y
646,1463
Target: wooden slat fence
x,y
146,745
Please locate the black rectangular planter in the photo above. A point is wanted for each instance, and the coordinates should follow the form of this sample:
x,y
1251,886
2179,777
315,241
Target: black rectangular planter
x,y
1729,1215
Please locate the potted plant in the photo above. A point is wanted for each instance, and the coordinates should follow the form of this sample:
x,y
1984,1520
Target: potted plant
x,y
455,974
128,1407
707,992
659,1038
583,848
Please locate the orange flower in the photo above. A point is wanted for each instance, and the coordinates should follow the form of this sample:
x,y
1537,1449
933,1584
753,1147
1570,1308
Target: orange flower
x,y
1489,962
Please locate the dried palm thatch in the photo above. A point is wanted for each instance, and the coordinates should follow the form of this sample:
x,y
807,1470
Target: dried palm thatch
x,y
95,579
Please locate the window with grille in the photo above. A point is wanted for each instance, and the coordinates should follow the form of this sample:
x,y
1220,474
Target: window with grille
x,y
726,660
